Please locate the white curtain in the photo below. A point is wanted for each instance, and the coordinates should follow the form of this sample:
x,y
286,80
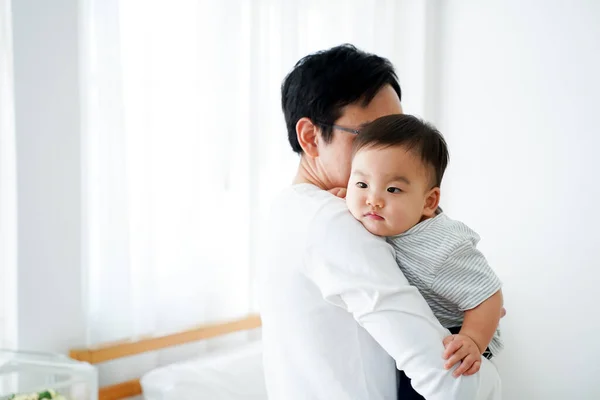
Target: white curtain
x,y
185,144
8,188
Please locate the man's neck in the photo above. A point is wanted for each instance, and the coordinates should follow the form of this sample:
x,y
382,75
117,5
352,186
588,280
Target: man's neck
x,y
306,173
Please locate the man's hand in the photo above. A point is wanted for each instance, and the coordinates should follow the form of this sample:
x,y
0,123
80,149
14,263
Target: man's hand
x,y
339,192
461,348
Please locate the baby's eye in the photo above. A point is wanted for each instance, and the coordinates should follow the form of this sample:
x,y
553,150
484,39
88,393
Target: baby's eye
x,y
394,190
361,185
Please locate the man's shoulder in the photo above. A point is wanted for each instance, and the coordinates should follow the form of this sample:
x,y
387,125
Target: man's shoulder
x,y
323,220
304,199
333,221
317,208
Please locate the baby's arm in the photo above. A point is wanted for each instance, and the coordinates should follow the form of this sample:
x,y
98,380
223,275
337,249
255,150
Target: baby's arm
x,y
467,280
481,322
479,326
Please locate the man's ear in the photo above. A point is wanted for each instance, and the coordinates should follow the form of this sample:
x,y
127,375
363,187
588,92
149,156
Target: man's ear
x,y
307,134
432,201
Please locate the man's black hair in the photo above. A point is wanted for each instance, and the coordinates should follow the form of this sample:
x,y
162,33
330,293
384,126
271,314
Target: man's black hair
x,y
321,84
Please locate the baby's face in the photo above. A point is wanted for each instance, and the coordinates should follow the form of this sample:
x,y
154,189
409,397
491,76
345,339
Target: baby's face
x,y
389,190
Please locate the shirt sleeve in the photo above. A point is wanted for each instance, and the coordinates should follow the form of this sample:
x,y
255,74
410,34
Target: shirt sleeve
x,y
357,271
465,278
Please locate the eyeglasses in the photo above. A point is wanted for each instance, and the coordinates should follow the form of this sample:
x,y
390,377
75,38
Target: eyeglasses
x,y
341,128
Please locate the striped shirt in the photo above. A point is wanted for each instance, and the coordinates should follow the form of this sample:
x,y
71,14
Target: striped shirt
x,y
439,257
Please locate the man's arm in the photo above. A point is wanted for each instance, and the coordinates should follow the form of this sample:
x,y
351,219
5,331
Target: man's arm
x,y
358,272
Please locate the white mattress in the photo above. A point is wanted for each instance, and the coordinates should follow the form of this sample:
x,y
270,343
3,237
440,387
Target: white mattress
x,y
232,374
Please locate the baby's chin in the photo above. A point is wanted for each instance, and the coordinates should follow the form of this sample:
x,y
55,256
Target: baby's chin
x,y
376,228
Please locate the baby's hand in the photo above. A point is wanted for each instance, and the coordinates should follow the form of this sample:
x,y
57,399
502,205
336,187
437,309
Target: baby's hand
x,y
461,348
339,192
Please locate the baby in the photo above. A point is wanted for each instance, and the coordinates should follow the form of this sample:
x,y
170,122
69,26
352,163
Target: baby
x,y
394,191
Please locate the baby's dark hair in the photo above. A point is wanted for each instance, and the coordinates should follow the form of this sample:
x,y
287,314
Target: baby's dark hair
x,y
411,133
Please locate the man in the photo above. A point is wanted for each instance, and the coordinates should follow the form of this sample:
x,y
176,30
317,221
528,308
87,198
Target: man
x,y
336,309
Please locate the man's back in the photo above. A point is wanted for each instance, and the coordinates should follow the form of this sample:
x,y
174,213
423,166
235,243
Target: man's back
x,y
327,354
333,299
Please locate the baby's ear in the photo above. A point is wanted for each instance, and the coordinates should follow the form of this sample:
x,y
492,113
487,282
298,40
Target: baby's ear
x,y
432,201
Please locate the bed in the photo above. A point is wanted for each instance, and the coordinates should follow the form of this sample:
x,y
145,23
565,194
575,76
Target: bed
x,y
233,373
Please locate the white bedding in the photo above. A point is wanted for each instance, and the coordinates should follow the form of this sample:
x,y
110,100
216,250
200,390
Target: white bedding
x,y
232,374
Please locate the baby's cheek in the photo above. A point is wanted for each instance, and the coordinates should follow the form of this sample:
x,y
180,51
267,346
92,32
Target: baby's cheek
x,y
352,202
399,221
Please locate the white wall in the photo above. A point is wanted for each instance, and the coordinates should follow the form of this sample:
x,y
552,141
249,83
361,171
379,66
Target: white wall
x,y
45,44
519,104
8,191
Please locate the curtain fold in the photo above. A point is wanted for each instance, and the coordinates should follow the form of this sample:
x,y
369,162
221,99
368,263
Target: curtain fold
x,y
185,145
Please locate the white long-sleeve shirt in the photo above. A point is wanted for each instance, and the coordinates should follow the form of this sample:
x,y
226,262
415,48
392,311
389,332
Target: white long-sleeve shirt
x,y
337,311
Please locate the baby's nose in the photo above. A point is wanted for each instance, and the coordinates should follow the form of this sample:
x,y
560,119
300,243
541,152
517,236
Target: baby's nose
x,y
375,201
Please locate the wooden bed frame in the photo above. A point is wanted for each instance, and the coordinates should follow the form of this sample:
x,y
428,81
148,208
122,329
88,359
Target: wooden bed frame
x,y
103,353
